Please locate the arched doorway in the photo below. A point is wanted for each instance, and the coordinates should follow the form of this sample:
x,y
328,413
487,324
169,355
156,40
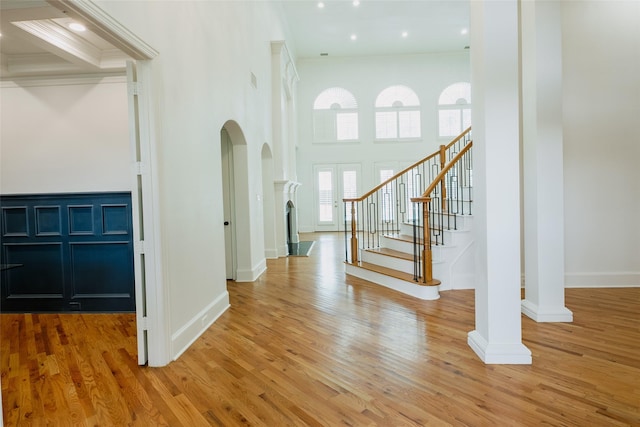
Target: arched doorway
x,y
236,204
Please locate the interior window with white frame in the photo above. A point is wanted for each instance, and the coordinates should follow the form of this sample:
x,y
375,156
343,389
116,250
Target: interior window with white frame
x,y
335,116
454,109
397,114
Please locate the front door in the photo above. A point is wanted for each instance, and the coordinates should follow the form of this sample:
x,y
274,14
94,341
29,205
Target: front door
x,y
333,182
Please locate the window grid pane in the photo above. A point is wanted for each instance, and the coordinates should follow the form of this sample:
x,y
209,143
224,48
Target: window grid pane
x,y
324,125
347,126
349,185
325,196
386,124
409,124
449,122
349,190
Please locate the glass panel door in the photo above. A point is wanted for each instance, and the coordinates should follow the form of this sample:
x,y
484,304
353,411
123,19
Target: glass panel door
x,y
334,182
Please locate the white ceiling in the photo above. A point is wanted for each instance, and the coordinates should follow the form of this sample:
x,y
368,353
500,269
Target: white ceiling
x,y
432,26
37,41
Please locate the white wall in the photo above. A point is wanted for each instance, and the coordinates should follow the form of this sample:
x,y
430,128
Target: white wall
x,y
365,77
201,80
64,136
601,97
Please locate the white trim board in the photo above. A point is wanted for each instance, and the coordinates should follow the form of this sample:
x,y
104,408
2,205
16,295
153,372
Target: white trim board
x,y
624,279
193,329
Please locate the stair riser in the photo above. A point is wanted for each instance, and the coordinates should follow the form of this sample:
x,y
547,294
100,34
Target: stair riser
x,y
462,223
413,289
388,261
438,252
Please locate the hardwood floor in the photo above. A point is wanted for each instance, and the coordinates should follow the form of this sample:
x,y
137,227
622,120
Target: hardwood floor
x,y
305,345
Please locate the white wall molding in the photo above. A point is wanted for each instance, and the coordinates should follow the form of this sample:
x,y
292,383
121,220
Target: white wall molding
x,y
271,253
192,330
244,275
107,27
66,80
623,279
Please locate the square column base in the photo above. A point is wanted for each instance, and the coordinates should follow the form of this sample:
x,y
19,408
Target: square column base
x,y
546,314
499,353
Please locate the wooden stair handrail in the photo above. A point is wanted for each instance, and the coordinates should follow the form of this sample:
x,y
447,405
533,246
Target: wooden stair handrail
x,y
426,255
427,260
394,177
441,175
407,169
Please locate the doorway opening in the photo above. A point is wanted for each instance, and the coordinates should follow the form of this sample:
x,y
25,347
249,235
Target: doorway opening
x,y
228,203
237,222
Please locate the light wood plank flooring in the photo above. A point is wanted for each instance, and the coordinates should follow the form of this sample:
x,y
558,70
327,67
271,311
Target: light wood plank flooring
x,y
306,345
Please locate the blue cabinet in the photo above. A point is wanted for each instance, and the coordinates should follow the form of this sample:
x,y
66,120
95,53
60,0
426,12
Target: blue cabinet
x,y
66,252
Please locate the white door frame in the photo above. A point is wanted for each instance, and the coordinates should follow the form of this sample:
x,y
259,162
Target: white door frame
x,y
153,294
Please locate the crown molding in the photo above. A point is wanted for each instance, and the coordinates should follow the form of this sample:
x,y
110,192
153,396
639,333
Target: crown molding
x,y
106,27
59,41
65,80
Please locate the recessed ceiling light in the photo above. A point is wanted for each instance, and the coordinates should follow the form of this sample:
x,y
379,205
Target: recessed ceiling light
x,y
405,34
353,37
464,31
356,2
320,5
75,26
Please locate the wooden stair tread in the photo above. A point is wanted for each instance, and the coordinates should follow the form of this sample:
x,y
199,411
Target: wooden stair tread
x,y
387,271
392,253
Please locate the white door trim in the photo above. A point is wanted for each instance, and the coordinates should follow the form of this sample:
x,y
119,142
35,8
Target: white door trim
x,y
157,313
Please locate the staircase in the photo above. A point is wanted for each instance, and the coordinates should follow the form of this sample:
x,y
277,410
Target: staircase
x,y
387,246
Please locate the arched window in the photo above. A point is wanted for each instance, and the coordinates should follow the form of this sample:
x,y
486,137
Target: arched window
x,y
454,110
335,116
397,113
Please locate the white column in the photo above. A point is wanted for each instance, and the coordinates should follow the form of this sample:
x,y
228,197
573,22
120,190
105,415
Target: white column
x,y
280,152
284,77
496,132
542,161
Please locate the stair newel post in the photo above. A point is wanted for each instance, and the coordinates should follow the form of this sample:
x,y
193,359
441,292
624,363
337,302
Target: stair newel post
x,y
427,266
354,236
443,184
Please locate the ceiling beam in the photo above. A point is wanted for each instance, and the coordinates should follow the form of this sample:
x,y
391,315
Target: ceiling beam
x,y
106,27
59,41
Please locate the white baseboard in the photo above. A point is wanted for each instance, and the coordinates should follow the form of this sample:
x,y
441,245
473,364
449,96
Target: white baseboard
x,y
271,253
185,336
626,279
253,274
499,353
